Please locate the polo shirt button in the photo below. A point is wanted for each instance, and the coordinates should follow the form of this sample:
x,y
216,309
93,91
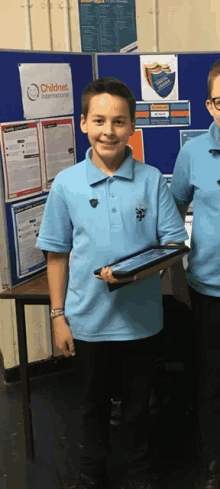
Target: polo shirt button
x,y
114,209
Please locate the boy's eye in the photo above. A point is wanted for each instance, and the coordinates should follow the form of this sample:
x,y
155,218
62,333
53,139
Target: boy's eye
x,y
100,121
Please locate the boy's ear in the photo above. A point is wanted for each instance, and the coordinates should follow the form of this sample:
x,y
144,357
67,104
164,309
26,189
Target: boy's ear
x,y
133,127
83,124
209,106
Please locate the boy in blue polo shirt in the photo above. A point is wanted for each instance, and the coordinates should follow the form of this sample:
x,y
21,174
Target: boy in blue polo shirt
x,y
102,209
196,178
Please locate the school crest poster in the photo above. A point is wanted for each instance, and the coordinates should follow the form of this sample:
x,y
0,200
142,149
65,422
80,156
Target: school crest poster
x,y
159,77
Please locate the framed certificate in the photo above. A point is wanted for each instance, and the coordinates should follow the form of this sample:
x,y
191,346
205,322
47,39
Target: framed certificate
x,y
146,259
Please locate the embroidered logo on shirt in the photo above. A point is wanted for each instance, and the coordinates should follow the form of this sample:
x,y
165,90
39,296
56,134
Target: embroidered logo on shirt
x,y
94,202
141,210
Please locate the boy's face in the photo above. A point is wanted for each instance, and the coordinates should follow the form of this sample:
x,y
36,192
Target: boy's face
x,y
108,126
215,113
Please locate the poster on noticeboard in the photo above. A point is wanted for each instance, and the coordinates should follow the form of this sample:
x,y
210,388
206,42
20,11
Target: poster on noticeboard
x,y
46,89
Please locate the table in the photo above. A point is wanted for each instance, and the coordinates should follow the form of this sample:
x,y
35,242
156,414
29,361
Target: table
x,y
34,292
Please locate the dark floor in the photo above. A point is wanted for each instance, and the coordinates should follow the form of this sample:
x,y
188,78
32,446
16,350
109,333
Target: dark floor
x,y
56,423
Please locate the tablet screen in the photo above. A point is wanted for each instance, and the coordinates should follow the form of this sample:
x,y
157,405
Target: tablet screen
x,y
143,259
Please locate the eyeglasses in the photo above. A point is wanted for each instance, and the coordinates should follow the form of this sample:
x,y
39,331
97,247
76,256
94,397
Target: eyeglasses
x,y
216,102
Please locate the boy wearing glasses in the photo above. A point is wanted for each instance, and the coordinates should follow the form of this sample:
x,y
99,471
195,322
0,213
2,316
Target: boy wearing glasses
x,y
196,178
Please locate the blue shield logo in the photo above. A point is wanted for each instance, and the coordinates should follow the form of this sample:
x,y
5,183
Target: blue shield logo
x,y
160,78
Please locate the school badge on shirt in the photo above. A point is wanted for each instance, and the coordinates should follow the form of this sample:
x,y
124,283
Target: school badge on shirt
x,y
94,202
140,208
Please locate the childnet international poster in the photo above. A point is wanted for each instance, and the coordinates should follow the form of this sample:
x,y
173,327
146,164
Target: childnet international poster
x,y
46,89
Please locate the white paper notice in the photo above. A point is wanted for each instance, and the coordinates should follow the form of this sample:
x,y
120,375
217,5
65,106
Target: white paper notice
x,y
46,89
21,159
168,179
188,226
58,146
159,77
26,218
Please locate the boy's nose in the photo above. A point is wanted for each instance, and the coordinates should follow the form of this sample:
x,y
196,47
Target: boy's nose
x,y
108,128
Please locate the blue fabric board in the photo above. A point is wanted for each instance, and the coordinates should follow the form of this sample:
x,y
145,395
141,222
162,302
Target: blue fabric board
x,y
11,102
12,110
193,68
164,143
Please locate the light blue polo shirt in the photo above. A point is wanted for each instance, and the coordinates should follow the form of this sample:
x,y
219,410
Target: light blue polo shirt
x,y
197,177
107,232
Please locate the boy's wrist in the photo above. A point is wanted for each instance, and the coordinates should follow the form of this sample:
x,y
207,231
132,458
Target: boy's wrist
x,y
56,312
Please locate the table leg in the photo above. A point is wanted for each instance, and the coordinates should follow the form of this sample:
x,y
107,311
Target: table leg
x,y
24,378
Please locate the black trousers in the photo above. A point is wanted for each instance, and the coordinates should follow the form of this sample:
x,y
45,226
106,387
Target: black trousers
x,y
206,331
105,367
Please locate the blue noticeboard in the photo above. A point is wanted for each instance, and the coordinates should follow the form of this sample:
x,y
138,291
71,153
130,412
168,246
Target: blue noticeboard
x,y
11,101
21,216
162,144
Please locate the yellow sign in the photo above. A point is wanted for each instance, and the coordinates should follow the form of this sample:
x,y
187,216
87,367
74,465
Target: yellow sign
x,y
159,107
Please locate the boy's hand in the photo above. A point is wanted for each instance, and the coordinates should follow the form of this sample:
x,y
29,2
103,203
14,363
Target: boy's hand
x,y
179,284
63,336
106,276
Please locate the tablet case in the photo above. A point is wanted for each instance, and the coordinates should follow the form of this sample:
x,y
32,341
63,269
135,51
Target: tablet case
x,y
177,250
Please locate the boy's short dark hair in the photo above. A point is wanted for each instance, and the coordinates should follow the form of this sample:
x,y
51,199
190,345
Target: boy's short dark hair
x,y
110,85
213,73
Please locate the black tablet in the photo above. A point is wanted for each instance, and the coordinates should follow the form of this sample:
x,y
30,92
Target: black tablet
x,y
130,265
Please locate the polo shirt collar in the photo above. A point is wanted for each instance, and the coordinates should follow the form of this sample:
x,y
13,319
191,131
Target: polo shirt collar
x,y
214,143
95,175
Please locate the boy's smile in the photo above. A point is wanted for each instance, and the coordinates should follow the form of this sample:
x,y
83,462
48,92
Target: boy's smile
x,y
109,126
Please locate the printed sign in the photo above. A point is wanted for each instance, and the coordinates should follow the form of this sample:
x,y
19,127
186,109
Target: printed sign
x,y
26,218
163,114
58,138
108,26
46,89
190,134
159,77
21,159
